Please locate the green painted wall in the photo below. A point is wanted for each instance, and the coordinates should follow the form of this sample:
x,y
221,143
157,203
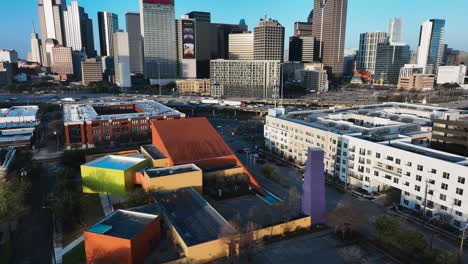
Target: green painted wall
x,y
108,181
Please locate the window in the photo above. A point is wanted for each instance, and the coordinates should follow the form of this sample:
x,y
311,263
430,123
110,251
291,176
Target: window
x,y
461,180
458,213
443,207
457,202
443,197
377,155
434,171
417,188
446,175
376,173
418,178
367,179
408,173
459,191
409,164
406,202
407,194
444,186
398,161
395,180
389,158
420,168
134,122
430,192
419,198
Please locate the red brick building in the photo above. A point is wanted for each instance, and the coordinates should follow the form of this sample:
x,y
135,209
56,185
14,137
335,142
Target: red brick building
x,y
113,124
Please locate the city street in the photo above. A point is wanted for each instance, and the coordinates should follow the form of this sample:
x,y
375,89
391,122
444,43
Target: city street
x,y
34,236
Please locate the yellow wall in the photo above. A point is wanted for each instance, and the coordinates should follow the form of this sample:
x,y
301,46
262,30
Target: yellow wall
x,y
178,181
159,163
224,173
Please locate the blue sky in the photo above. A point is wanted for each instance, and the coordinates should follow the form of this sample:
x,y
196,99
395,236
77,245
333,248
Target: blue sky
x,y
363,16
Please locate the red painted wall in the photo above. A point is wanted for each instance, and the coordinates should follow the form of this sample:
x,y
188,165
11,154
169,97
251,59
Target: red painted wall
x,y
146,241
106,249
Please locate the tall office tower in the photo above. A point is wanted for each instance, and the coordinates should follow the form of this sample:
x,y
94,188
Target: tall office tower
x,y
269,40
108,25
36,47
310,18
78,57
367,52
135,42
301,48
91,71
391,57
303,29
395,30
9,55
186,48
349,62
47,52
51,23
243,78
203,42
159,38
241,46
122,59
78,29
431,45
220,39
329,31
62,60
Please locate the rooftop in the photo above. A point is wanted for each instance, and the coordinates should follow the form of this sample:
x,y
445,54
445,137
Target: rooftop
x,y
123,224
115,162
154,173
154,152
87,112
192,216
19,117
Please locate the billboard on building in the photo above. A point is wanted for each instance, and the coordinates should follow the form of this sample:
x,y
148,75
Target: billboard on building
x,y
188,39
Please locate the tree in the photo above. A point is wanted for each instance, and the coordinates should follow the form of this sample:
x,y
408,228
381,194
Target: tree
x,y
353,255
293,204
411,241
13,201
139,197
65,198
230,235
346,219
387,229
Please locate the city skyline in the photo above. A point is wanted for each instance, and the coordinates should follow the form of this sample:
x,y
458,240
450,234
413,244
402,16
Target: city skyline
x,y
376,18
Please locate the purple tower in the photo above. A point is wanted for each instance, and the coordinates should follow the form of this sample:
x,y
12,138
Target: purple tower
x,y
313,189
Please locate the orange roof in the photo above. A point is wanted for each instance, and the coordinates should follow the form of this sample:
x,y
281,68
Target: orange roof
x,y
189,140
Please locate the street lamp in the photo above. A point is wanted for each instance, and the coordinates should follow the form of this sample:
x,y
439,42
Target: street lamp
x,y
463,236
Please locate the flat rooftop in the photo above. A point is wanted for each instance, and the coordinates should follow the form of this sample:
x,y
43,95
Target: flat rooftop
x,y
19,111
154,152
123,224
192,216
87,112
19,117
155,173
115,162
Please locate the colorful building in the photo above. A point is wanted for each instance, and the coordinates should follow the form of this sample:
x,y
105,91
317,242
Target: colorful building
x,y
123,237
114,124
111,174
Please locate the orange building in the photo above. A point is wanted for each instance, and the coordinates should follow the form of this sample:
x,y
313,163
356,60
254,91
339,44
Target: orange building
x,y
195,141
122,237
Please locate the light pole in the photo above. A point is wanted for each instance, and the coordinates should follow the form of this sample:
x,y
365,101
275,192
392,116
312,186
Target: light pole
x,y
463,236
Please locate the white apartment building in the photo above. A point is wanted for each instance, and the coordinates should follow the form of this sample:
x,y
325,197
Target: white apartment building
x,y
451,74
376,147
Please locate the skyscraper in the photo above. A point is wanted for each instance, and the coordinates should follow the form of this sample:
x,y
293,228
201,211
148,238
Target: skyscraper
x,y
220,39
187,65
269,40
62,60
36,47
366,55
108,25
329,30
78,29
395,30
431,45
241,46
159,38
122,59
51,23
203,42
391,57
301,48
135,42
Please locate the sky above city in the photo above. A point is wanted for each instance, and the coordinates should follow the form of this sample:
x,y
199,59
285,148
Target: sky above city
x,y
363,16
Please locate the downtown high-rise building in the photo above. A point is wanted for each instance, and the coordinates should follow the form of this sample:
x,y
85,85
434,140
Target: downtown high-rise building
x,y
269,40
51,24
108,25
62,60
241,46
187,65
159,37
122,59
79,29
36,48
301,48
135,42
431,45
367,53
395,30
329,31
390,58
202,41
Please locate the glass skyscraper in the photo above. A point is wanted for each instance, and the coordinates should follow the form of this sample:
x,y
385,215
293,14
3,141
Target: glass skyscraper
x,y
431,45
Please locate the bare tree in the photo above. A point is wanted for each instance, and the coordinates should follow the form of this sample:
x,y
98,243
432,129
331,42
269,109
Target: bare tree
x,y
346,219
353,255
292,206
230,235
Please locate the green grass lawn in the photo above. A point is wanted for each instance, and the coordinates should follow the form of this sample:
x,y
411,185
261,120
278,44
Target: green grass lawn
x,y
92,213
75,256
6,253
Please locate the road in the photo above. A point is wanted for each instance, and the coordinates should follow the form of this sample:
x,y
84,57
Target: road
x,y
334,197
34,240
